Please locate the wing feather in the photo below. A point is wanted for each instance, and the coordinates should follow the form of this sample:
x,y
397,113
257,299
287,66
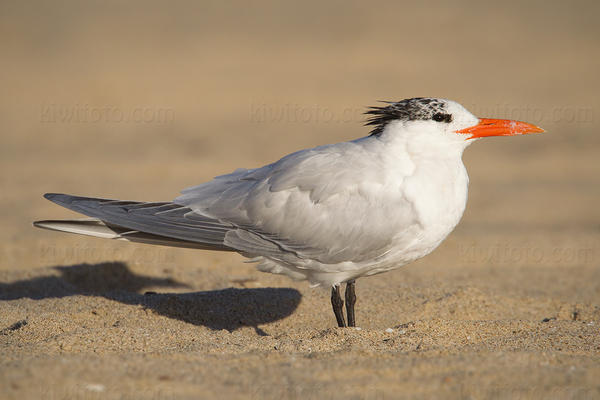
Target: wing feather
x,y
164,219
329,204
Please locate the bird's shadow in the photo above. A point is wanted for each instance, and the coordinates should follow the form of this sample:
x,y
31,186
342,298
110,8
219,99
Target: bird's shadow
x,y
216,309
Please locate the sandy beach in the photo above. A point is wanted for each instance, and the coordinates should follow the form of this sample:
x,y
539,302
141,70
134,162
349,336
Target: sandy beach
x,y
139,101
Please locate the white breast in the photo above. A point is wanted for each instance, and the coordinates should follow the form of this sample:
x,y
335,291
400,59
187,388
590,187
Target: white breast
x,y
438,191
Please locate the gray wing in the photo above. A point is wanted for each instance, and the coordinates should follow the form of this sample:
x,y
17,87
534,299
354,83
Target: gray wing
x,y
136,221
328,205
162,218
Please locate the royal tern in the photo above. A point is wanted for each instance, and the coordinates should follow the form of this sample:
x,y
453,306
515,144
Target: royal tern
x,y
330,214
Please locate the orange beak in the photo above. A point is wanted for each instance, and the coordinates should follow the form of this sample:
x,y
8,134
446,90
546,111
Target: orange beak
x,y
499,127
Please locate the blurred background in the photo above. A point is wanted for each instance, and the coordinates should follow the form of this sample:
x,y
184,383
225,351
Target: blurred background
x,y
139,99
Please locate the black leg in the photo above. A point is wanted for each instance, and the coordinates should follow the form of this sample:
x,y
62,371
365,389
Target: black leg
x,y
338,306
350,301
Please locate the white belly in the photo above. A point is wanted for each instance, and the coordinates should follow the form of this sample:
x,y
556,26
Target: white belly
x,y
438,194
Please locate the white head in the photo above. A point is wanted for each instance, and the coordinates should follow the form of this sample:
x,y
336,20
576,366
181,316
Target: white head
x,y
437,124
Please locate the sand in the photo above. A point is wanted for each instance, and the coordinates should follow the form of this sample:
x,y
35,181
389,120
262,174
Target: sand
x,y
508,306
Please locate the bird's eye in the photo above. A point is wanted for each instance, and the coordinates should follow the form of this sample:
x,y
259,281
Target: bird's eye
x,y
441,117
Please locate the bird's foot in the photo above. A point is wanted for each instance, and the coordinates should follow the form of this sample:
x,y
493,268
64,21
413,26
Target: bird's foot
x,y
338,304
350,301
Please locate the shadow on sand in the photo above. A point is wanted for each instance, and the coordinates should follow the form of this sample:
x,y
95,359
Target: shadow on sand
x,y
216,309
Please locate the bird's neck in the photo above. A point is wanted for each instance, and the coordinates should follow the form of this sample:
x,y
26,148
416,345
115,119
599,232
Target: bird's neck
x,y
423,144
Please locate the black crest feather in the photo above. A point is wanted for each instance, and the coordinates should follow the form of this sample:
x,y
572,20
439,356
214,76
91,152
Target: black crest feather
x,y
418,108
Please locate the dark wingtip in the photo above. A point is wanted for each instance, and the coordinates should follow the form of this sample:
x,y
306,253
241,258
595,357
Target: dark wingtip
x,y
58,198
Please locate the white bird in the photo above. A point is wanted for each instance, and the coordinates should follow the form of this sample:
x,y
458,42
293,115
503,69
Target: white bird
x,y
330,214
